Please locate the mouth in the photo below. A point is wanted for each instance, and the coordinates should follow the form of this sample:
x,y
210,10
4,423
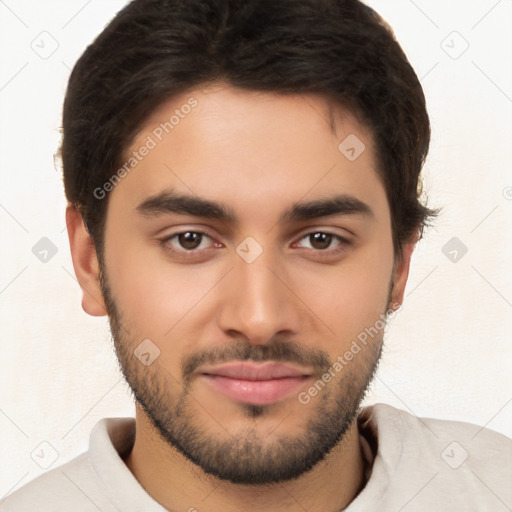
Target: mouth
x,y
255,383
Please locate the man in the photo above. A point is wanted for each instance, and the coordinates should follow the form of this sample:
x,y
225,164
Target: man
x,y
242,179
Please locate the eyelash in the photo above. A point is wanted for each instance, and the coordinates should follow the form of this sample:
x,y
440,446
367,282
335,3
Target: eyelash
x,y
343,244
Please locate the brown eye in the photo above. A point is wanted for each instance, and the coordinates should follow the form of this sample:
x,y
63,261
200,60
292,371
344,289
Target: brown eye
x,y
187,242
190,240
324,243
320,240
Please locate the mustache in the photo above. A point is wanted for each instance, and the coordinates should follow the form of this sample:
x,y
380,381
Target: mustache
x,y
277,350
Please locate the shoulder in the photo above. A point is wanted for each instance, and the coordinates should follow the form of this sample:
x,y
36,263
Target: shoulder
x,y
389,414
451,462
80,484
456,443
69,486
430,432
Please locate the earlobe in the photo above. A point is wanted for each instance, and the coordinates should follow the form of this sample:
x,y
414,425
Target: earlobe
x,y
85,263
400,275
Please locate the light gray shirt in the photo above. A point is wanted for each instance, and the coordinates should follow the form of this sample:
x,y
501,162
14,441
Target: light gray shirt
x,y
414,464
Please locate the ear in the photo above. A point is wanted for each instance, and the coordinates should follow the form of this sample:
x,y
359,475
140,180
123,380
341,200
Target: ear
x,y
85,263
401,273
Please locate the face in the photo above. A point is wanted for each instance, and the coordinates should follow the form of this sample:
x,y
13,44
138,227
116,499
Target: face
x,y
245,254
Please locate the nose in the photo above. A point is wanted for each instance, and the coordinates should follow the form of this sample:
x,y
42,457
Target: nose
x,y
258,302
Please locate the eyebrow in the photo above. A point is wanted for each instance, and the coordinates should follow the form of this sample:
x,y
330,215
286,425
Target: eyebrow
x,y
169,202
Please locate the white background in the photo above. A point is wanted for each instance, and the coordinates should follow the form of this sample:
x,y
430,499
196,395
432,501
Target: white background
x,y
448,352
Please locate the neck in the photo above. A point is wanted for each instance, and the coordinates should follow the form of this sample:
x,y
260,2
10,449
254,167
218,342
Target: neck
x,y
178,484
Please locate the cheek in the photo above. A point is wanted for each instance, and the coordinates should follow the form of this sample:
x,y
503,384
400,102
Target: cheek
x,y
153,294
350,296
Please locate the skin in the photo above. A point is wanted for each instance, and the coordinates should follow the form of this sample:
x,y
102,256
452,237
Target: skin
x,y
256,153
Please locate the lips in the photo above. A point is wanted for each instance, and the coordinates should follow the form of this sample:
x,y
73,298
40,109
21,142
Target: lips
x,y
255,383
255,371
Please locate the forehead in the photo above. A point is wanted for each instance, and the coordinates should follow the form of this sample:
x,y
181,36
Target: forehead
x,y
253,150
